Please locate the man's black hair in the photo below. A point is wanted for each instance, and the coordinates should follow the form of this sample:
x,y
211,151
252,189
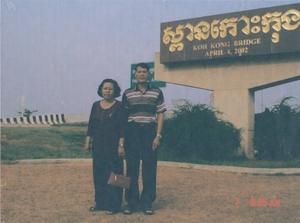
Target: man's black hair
x,y
142,65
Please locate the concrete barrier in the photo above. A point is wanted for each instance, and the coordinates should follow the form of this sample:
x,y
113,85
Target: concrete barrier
x,y
54,119
35,120
11,121
60,119
25,120
48,118
19,121
43,119
31,120
4,121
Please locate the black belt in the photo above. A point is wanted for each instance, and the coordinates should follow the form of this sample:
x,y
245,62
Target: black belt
x,y
140,124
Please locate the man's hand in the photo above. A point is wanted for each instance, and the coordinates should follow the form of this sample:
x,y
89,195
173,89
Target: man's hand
x,y
156,143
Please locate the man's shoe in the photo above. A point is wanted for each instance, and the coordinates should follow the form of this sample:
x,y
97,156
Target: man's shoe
x,y
130,209
148,211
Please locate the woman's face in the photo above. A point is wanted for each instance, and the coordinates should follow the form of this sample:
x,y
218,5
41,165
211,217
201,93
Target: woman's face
x,y
108,90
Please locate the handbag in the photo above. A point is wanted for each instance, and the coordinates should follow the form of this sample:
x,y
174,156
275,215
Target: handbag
x,y
119,180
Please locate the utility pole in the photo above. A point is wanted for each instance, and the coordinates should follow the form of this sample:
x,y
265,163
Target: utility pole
x,y
22,105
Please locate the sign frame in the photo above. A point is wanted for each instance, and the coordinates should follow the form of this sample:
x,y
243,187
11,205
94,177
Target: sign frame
x,y
254,32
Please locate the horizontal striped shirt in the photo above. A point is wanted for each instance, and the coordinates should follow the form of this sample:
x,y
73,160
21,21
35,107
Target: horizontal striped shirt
x,y
143,107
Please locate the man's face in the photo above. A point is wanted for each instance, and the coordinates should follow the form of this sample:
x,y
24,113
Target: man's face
x,y
142,75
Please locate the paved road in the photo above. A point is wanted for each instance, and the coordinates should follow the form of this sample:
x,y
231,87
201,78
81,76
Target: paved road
x,y
63,192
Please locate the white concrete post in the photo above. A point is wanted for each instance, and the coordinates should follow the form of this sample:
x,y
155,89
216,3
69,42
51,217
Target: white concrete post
x,y
44,120
60,119
238,108
25,120
19,120
49,119
37,119
31,120
11,120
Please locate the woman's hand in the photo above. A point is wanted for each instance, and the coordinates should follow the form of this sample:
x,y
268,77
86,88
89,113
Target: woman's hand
x,y
87,145
86,149
121,151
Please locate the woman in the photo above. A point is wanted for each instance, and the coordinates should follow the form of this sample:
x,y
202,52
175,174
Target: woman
x,y
106,128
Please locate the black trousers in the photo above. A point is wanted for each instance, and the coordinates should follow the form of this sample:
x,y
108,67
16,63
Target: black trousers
x,y
138,145
108,197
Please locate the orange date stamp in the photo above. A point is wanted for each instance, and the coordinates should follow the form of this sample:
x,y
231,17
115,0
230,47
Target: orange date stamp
x,y
260,202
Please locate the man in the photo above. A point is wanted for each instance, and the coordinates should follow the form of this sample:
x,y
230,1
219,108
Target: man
x,y
146,106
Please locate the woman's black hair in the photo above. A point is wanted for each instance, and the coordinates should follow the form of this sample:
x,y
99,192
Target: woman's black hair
x,y
117,89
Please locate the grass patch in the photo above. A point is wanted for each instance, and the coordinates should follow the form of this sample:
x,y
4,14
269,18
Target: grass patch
x,y
43,143
67,141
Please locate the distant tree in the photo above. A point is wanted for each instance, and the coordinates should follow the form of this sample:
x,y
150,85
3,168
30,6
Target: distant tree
x,y
26,112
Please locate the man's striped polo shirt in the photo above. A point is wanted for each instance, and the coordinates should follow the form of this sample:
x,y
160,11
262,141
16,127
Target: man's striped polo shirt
x,y
142,107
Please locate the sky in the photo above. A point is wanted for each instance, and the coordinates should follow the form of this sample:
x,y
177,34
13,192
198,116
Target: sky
x,y
57,52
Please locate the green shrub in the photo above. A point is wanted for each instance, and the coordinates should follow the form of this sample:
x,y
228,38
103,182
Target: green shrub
x,y
195,132
277,131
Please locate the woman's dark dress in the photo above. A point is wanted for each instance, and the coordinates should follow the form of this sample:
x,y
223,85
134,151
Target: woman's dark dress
x,y
106,127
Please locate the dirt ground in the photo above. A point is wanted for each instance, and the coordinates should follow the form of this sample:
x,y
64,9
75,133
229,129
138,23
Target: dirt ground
x,y
64,192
